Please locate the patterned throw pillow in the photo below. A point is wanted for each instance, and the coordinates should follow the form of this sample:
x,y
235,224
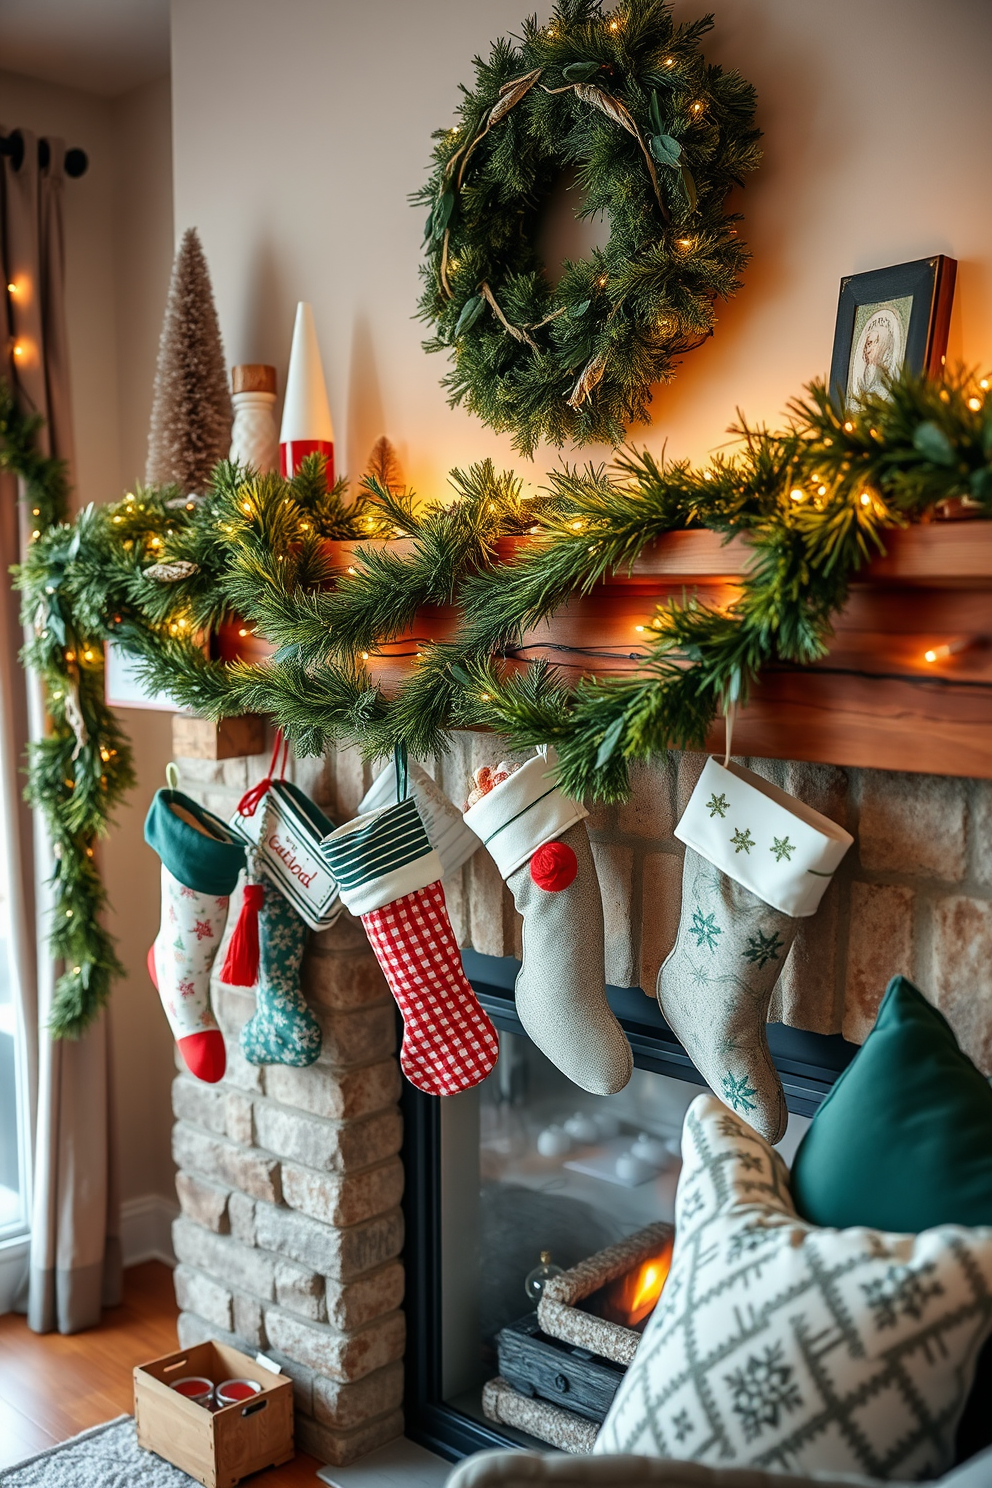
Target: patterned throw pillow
x,y
780,1345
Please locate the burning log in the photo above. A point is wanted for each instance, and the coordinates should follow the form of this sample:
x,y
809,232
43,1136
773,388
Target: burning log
x,y
582,1307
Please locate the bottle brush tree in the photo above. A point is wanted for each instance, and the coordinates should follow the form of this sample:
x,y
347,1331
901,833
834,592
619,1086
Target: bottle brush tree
x,y
191,406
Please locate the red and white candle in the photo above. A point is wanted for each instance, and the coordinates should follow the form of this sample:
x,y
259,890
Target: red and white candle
x,y
306,415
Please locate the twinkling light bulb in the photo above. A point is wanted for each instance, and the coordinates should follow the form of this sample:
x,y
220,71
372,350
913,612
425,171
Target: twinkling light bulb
x,y
948,648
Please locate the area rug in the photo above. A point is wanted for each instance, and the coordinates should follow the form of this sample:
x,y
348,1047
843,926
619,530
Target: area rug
x,y
106,1456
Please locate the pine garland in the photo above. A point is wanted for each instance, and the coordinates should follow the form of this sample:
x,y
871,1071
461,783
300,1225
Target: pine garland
x,y
657,138
154,571
82,768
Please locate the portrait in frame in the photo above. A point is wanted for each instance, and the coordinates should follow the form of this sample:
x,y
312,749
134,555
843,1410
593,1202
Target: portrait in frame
x,y
888,320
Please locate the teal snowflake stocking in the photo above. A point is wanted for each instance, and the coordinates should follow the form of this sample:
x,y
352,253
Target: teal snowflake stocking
x,y
756,862
283,1030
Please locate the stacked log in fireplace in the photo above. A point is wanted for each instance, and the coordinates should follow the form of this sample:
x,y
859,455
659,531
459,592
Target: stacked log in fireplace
x,y
560,1367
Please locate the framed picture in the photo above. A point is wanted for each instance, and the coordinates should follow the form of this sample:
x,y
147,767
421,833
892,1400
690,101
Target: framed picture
x,y
890,319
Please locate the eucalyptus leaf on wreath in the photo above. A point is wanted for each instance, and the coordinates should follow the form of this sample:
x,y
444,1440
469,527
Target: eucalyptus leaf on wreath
x,y
471,310
666,151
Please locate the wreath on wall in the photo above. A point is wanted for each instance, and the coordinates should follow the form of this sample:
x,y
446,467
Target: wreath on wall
x,y
657,137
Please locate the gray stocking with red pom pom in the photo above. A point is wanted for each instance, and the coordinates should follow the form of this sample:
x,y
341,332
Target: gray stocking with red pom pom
x,y
537,838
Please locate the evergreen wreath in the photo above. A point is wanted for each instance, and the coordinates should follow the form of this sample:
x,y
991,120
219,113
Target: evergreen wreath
x,y
657,138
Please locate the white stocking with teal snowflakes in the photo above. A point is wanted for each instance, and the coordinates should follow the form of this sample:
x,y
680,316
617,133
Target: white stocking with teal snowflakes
x,y
716,985
283,1029
756,861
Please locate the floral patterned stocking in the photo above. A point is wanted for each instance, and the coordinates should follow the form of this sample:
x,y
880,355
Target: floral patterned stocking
x,y
283,1030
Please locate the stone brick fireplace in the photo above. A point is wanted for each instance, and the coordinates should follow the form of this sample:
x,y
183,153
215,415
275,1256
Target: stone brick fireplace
x,y
289,1182
291,1235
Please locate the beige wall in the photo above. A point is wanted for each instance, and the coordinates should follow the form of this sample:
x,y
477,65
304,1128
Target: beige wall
x,y
301,128
90,261
119,249
143,258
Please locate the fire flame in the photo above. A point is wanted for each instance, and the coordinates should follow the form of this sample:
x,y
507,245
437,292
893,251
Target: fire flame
x,y
631,1298
650,1280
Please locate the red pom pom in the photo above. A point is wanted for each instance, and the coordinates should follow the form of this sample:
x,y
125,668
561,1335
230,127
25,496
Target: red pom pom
x,y
554,866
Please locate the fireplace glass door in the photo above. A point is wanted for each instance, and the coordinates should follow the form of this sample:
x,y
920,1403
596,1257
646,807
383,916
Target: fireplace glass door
x,y
527,1175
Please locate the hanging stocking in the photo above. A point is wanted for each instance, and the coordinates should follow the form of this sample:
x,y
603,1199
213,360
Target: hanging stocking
x,y
389,874
538,841
285,828
201,861
283,1030
756,862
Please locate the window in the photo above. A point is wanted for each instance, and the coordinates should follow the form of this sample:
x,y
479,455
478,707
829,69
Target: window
x,y
13,1134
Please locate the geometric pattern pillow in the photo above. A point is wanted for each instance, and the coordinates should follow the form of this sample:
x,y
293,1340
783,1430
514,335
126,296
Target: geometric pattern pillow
x,y
780,1345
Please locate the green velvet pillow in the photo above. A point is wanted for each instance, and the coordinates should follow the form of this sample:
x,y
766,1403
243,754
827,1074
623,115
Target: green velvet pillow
x,y
903,1142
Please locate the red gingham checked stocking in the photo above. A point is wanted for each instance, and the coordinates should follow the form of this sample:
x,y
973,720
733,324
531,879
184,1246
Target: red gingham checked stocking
x,y
448,1043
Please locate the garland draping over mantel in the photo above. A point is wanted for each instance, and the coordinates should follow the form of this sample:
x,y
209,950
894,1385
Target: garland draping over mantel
x,y
157,571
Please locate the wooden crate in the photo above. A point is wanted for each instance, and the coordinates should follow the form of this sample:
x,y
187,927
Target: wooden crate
x,y
217,1448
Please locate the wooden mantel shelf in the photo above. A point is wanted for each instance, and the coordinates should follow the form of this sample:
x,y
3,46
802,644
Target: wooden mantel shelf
x,y
875,701
938,553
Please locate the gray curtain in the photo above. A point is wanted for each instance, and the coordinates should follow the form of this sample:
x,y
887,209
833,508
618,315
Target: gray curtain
x,y
74,1266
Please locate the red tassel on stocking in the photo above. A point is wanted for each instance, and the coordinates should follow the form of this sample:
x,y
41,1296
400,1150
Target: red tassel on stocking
x,y
241,965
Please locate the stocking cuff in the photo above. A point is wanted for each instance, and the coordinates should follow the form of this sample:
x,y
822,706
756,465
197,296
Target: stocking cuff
x,y
774,845
381,856
522,813
197,848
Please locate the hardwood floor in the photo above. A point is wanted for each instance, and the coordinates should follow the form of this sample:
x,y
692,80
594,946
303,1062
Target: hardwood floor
x,y
51,1387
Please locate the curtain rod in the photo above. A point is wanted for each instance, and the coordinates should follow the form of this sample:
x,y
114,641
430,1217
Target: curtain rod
x,y
12,145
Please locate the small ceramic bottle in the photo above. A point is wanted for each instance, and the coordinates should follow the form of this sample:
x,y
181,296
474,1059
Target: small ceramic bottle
x,y
255,436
